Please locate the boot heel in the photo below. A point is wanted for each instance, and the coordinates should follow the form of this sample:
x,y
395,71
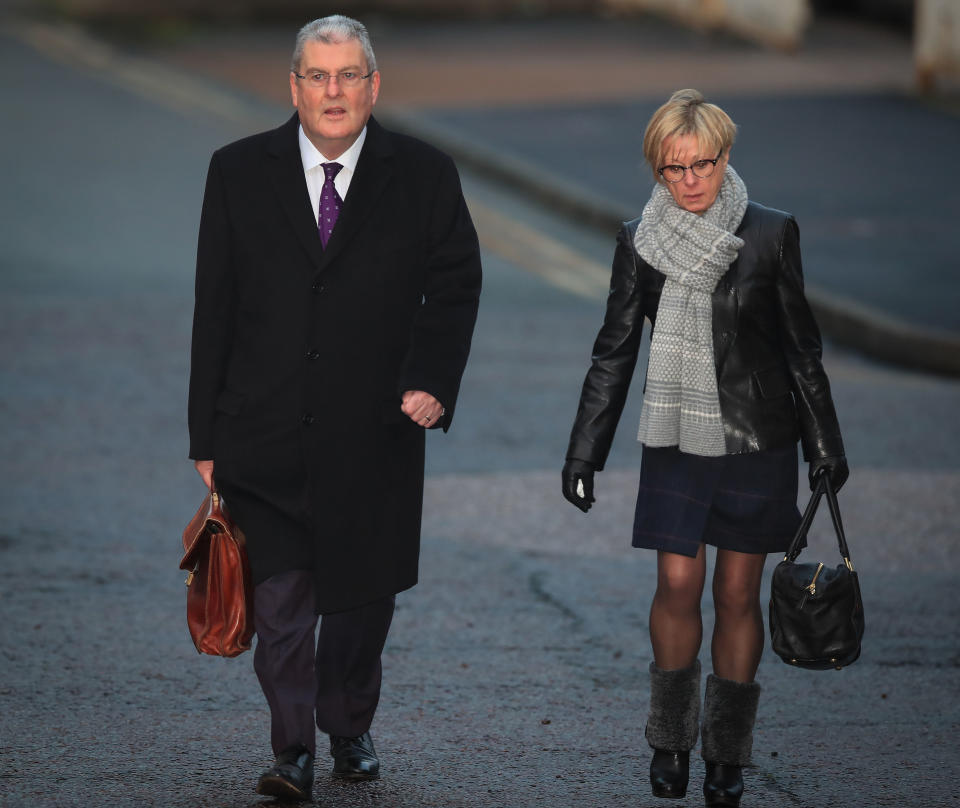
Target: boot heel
x,y
669,774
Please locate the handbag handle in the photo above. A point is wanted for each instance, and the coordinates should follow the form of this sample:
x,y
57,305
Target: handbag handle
x,y
837,522
822,487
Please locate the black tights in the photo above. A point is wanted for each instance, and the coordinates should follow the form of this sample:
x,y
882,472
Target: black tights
x,y
676,626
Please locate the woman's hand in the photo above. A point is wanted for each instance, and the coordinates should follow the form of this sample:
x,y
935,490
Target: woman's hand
x,y
836,467
577,478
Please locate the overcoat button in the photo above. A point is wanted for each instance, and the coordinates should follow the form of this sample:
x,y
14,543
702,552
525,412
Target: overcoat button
x,y
314,354
307,419
317,287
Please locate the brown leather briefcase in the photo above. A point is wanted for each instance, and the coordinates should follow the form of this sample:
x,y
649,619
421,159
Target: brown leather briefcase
x,y
219,588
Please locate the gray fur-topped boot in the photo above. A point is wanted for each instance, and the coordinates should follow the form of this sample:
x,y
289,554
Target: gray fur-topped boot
x,y
672,727
729,712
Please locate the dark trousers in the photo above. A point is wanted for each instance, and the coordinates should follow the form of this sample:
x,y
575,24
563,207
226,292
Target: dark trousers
x,y
333,679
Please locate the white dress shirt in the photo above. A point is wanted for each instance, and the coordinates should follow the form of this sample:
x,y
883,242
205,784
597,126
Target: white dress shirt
x,y
313,170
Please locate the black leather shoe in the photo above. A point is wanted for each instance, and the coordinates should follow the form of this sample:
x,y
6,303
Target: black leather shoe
x,y
290,777
723,785
354,758
669,772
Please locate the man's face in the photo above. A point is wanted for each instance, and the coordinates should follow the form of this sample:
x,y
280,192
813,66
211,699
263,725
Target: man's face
x,y
333,116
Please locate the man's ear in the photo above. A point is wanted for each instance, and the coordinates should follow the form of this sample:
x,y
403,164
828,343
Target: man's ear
x,y
294,89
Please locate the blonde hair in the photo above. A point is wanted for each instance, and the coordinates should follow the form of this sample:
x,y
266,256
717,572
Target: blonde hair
x,y
687,113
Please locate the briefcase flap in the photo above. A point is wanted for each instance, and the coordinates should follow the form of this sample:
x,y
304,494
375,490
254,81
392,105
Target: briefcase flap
x,y
211,517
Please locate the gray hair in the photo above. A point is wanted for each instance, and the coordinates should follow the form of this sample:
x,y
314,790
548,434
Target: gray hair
x,y
333,30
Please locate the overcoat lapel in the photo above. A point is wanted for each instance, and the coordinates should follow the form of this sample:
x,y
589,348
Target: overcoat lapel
x,y
291,187
374,170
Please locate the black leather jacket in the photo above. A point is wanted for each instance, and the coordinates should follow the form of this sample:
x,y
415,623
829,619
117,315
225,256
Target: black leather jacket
x,y
771,383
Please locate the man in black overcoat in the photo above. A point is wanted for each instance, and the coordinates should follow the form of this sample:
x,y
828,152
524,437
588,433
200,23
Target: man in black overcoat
x,y
338,276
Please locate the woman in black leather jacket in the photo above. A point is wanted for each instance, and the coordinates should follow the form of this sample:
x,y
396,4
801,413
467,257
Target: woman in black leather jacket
x,y
734,379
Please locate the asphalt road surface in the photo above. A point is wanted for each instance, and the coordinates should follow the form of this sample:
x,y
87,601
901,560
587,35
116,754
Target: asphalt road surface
x,y
515,674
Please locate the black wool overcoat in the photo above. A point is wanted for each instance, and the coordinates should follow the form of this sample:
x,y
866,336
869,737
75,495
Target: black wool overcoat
x,y
300,354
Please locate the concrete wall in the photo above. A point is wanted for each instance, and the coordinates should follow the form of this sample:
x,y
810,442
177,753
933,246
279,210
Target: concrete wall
x,y
777,23
936,41
307,9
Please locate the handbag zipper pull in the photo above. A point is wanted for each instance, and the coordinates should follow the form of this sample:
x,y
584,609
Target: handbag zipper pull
x,y
811,588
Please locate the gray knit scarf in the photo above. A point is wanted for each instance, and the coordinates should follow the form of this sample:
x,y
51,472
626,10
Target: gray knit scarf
x,y
681,406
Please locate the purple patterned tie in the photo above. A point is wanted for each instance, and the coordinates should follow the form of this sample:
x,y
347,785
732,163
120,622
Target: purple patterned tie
x,y
330,203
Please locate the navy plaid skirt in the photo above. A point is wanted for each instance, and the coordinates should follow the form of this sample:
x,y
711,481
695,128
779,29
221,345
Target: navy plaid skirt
x,y
742,502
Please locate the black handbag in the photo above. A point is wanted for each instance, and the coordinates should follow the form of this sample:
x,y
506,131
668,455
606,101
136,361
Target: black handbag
x,y
816,612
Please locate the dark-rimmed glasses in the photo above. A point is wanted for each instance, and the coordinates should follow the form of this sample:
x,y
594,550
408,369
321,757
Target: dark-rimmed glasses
x,y
701,169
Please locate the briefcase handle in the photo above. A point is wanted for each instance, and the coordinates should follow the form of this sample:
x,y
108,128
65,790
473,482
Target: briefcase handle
x,y
216,502
822,488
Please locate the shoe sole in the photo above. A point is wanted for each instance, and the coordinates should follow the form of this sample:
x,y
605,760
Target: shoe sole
x,y
355,776
721,803
669,795
278,787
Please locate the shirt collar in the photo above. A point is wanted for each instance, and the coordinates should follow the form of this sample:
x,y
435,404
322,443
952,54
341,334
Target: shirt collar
x,y
311,157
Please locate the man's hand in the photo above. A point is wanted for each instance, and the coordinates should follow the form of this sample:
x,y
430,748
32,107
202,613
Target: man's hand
x,y
422,408
577,476
205,470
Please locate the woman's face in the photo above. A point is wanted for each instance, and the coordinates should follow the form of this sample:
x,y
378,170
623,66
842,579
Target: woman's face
x,y
692,193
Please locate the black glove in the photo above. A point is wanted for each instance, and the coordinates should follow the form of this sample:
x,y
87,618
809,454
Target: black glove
x,y
835,466
574,472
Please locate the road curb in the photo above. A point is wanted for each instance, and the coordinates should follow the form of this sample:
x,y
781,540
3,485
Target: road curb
x,y
846,321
